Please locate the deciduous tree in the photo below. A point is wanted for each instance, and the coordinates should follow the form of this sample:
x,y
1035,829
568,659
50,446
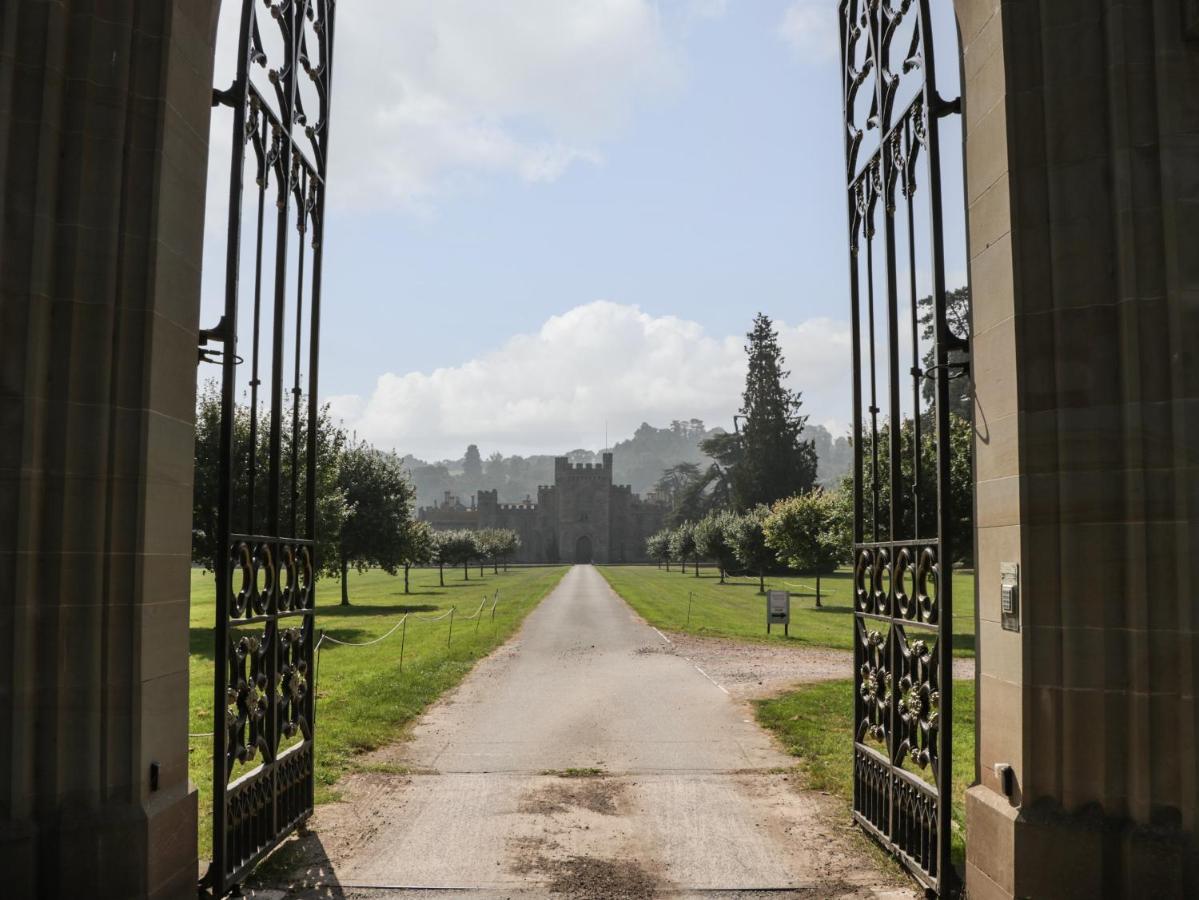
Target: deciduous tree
x,y
682,545
419,547
657,548
458,548
712,540
379,505
330,502
748,538
802,532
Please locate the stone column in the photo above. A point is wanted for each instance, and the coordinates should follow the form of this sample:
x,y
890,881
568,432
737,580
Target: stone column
x,y
104,111
1082,121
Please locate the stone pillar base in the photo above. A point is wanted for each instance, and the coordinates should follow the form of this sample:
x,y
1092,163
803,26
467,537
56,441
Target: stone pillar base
x,y
1044,852
114,852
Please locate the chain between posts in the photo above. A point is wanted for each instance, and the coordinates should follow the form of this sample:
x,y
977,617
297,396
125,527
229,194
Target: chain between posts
x,y
402,627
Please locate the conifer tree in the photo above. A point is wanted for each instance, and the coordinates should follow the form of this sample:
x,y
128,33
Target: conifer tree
x,y
772,460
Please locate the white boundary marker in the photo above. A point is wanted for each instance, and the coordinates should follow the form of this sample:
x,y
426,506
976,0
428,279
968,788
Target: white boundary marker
x,y
693,664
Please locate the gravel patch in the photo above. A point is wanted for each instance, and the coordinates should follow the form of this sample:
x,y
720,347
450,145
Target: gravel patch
x,y
752,671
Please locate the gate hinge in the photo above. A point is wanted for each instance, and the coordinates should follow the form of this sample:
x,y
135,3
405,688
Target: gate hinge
x,y
942,107
220,335
227,97
952,370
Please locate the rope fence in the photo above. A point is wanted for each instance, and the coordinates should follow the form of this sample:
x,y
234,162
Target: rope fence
x,y
400,626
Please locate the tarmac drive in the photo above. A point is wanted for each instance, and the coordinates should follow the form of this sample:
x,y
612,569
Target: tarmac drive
x,y
678,791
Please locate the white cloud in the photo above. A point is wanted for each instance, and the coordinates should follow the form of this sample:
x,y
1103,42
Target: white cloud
x,y
599,363
427,95
810,27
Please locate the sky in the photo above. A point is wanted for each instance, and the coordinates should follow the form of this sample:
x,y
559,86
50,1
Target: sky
x,y
554,219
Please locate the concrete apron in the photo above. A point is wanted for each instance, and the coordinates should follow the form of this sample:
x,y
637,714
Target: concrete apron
x,y
691,798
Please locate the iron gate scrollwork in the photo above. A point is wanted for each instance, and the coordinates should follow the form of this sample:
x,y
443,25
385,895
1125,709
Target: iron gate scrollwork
x,y
904,356
263,777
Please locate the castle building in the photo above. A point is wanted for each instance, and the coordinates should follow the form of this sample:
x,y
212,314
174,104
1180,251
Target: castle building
x,y
582,517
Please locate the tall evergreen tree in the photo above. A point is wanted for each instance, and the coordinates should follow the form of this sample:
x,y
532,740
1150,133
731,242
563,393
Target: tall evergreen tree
x,y
772,461
472,464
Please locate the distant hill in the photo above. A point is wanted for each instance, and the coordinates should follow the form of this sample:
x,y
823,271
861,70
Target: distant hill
x,y
638,461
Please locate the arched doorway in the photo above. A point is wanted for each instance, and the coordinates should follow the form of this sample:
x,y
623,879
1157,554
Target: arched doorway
x,y
583,550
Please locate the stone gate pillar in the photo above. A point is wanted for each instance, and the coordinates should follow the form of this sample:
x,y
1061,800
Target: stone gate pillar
x,y
104,111
1082,123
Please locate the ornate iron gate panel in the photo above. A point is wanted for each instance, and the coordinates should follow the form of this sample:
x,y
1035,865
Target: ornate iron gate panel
x,y
902,346
262,775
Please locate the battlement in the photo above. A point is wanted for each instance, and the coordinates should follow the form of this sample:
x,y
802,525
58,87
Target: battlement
x,y
563,466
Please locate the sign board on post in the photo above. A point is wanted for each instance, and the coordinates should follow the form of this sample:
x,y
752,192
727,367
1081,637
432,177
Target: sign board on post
x,y
778,610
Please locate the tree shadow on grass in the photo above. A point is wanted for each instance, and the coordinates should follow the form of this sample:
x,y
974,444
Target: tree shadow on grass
x,y
354,610
350,635
200,641
826,607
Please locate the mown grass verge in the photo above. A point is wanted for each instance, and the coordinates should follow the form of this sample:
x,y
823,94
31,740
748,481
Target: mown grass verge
x,y
736,609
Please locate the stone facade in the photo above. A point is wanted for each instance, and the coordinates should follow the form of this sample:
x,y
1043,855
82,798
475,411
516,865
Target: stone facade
x,y
104,112
582,517
1082,146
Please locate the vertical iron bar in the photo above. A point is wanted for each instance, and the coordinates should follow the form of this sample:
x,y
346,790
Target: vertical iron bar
x,y
933,107
869,241
917,361
264,169
301,177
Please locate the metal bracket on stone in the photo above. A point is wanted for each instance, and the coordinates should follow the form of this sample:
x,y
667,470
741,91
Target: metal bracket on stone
x,y
942,107
220,335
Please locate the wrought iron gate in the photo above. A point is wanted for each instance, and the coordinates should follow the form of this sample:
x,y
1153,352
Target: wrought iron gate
x,y
904,356
262,774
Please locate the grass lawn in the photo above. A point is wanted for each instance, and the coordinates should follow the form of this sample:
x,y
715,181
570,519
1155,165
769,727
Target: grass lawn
x,y
363,700
815,723
737,610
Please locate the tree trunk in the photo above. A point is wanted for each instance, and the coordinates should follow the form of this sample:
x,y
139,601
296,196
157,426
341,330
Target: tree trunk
x,y
466,571
495,566
668,565
818,603
761,581
697,567
345,587
441,573
481,568
405,579
722,575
